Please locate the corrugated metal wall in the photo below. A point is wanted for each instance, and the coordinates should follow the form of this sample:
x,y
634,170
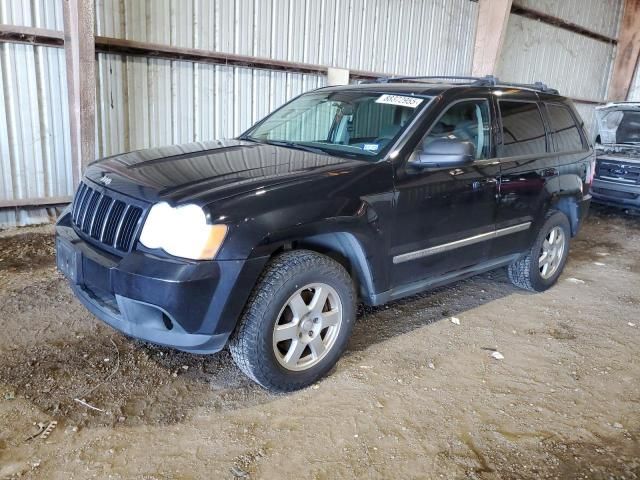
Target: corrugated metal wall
x,y
35,158
32,13
577,65
149,102
634,92
144,102
600,16
394,36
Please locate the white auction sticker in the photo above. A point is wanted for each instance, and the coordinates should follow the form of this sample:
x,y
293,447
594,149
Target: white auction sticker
x,y
400,100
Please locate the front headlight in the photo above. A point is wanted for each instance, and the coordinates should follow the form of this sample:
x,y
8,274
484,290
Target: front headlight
x,y
182,232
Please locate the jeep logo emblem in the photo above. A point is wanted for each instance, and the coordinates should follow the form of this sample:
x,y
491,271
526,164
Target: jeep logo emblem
x,y
105,180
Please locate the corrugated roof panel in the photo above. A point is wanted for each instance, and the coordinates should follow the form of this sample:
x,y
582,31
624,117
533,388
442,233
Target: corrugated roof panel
x,y
587,114
152,102
576,65
600,16
34,13
634,91
390,36
35,153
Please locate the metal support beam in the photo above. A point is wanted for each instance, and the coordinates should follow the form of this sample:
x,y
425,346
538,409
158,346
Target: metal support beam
x,y
31,35
156,50
561,23
34,202
627,53
79,49
492,25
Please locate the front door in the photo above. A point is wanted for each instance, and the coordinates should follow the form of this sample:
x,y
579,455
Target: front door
x,y
445,216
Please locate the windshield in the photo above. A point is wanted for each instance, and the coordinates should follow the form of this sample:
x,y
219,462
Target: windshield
x,y
342,123
622,126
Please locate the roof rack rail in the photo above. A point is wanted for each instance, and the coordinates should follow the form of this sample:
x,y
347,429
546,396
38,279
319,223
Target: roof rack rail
x,y
486,81
541,87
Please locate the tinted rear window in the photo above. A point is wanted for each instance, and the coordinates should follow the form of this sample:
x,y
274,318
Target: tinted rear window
x,y
564,131
522,129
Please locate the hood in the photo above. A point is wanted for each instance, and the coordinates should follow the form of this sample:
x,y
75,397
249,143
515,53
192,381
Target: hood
x,y
206,171
618,123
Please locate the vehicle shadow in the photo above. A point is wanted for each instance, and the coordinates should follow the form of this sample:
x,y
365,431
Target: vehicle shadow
x,y
377,324
135,383
132,382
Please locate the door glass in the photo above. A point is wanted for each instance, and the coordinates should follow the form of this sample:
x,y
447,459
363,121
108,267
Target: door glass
x,y
564,130
467,122
522,129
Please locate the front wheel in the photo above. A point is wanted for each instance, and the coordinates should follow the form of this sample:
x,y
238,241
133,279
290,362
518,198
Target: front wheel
x,y
296,323
541,267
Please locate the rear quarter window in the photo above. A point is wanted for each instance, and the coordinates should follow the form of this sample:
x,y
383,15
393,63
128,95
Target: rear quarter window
x,y
565,133
522,129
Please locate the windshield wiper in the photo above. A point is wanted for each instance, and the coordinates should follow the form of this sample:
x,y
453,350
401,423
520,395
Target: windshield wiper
x,y
306,148
284,143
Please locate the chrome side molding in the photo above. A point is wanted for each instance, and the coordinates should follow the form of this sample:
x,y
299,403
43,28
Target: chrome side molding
x,y
445,247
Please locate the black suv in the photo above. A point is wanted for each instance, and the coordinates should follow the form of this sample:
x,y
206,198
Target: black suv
x,y
367,193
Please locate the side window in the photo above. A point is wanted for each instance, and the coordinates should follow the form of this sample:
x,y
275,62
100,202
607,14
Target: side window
x,y
522,129
564,130
466,121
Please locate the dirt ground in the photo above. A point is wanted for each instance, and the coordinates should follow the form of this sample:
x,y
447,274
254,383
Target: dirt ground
x,y
416,396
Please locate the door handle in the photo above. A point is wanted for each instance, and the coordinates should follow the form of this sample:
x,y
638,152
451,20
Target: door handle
x,y
485,181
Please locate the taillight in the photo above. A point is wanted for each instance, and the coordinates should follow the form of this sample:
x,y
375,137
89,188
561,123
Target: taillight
x,y
591,170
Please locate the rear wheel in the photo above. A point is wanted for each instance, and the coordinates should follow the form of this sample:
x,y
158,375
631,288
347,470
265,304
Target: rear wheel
x,y
543,264
296,323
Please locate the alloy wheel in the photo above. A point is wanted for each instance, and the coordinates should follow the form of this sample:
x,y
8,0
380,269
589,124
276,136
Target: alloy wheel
x,y
307,326
552,252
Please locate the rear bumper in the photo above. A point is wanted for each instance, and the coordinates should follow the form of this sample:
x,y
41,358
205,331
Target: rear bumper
x,y
191,306
616,194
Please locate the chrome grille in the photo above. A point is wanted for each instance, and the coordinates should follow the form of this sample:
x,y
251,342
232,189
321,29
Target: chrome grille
x,y
618,171
102,217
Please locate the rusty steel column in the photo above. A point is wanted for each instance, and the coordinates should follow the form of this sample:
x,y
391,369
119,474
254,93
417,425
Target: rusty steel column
x,y
79,46
627,53
493,16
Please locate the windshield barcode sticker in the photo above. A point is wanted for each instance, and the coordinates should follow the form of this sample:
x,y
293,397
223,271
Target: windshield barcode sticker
x,y
400,100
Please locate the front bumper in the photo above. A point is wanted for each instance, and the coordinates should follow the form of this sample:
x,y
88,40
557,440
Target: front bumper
x,y
616,194
191,306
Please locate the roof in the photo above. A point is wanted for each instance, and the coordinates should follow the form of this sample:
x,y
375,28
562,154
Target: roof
x,y
415,88
431,86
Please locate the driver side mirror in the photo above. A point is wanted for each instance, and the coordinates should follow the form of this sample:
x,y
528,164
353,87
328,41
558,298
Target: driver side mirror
x,y
444,152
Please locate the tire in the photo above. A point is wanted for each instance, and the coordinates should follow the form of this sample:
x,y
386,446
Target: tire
x,y
527,272
310,329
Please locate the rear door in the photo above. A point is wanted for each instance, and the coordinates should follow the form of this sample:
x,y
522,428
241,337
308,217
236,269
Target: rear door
x,y
526,162
445,215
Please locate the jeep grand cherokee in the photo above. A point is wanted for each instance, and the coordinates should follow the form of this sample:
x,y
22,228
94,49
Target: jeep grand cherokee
x,y
359,193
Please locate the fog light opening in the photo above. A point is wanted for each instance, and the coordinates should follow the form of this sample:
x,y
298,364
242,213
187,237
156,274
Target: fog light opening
x,y
167,321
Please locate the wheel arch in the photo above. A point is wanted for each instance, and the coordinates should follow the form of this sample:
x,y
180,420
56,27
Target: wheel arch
x,y
568,204
342,246
564,195
345,248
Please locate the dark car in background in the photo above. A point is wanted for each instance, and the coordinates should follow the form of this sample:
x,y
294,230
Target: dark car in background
x,y
359,193
617,179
